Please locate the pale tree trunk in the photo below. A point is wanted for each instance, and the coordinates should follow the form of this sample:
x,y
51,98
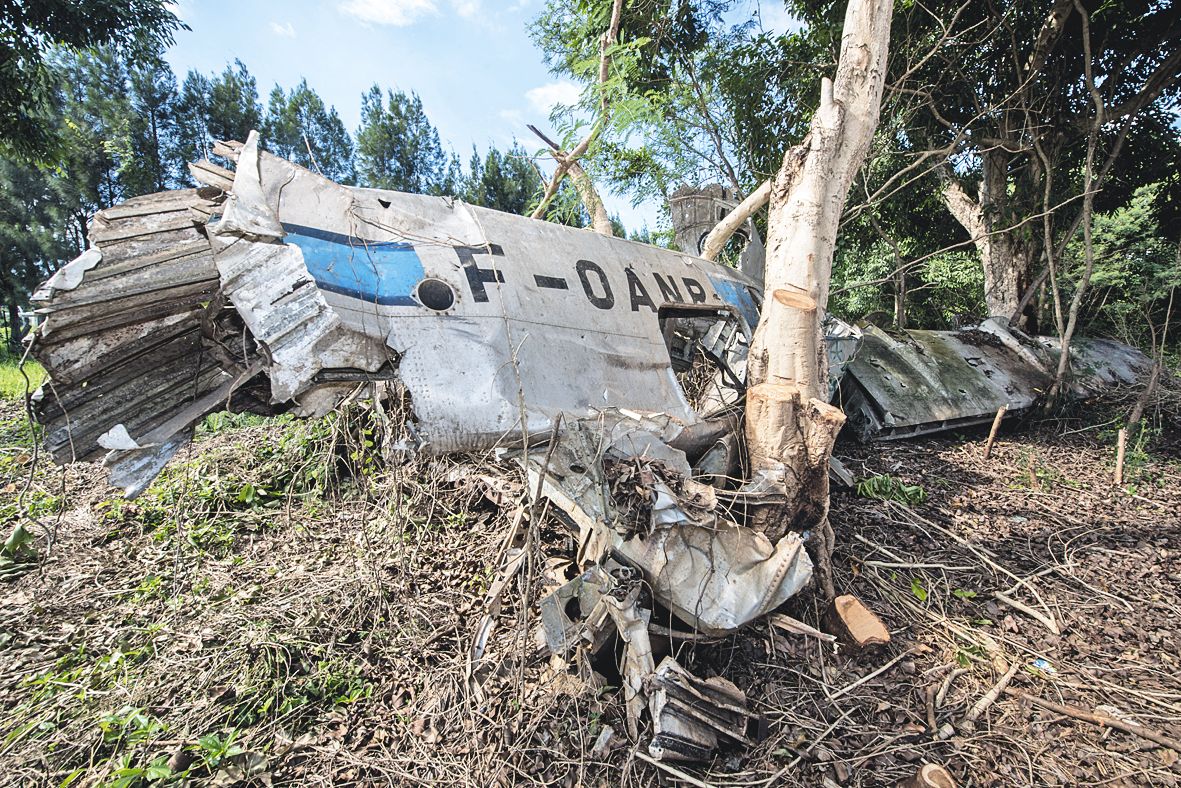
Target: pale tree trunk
x,y
790,427
600,219
1004,258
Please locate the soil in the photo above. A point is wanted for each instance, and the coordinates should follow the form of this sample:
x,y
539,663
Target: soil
x,y
235,627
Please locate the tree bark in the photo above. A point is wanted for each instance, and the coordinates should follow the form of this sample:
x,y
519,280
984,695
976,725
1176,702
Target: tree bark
x,y
715,242
790,427
1004,258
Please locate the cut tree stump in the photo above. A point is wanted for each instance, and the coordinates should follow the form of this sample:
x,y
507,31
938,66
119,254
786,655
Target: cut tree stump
x,y
930,775
854,624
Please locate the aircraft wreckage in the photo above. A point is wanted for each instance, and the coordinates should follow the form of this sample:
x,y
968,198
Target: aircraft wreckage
x,y
272,289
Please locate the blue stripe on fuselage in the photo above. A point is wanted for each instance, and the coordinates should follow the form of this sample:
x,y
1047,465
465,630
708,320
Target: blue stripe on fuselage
x,y
378,272
738,296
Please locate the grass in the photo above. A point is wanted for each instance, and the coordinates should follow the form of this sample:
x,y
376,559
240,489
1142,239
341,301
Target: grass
x,y
12,382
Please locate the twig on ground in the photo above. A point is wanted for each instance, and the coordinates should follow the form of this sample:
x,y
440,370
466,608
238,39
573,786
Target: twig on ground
x,y
1102,720
675,772
969,721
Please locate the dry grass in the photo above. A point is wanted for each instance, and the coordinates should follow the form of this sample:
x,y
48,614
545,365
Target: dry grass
x,y
286,604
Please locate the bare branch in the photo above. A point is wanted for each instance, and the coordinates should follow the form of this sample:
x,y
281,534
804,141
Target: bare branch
x,y
566,160
715,242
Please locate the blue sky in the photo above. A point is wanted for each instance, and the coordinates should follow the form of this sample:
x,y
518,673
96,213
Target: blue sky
x,y
479,74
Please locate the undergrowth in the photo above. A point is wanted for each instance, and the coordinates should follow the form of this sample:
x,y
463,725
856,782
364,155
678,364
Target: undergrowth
x,y
12,381
275,670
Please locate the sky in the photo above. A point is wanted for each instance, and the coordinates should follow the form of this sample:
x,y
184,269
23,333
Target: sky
x,y
480,77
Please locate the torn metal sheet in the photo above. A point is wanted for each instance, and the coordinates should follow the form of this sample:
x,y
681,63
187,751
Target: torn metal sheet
x,y
711,572
693,717
905,383
274,287
574,614
631,621
722,577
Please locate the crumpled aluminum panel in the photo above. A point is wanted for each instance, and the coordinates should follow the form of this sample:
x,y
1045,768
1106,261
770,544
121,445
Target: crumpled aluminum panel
x,y
274,292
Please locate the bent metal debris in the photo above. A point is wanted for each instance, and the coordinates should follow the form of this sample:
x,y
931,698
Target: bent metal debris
x,y
272,289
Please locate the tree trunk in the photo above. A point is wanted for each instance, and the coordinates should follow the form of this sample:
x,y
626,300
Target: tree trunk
x,y
1004,257
15,328
790,427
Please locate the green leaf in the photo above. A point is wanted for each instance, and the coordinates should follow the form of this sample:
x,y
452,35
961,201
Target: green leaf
x,y
916,588
17,541
158,769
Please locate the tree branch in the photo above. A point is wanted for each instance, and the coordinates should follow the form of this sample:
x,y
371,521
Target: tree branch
x,y
567,160
715,242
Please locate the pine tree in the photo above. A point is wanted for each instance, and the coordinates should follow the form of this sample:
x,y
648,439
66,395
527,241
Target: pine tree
x,y
504,181
397,147
299,121
153,127
233,107
192,141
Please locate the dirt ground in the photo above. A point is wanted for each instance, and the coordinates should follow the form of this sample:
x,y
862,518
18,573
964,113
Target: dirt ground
x,y
253,620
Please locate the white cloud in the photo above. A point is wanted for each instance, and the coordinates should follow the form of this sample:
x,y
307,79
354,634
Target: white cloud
x,y
286,30
466,8
544,98
398,13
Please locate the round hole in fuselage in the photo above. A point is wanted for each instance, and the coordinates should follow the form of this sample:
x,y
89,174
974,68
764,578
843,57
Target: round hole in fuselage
x,y
436,294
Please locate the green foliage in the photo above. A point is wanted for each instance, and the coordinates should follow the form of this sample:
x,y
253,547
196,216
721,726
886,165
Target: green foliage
x,y
293,683
918,589
214,748
13,383
886,488
300,128
398,148
129,725
1136,269
234,109
33,29
124,775
504,181
18,545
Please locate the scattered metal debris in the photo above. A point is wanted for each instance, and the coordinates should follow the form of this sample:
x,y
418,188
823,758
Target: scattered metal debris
x,y
271,289
692,717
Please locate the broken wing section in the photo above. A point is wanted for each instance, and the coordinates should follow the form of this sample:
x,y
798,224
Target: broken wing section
x,y
906,383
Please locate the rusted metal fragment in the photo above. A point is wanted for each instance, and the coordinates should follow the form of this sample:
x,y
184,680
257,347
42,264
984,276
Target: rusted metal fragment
x,y
855,624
